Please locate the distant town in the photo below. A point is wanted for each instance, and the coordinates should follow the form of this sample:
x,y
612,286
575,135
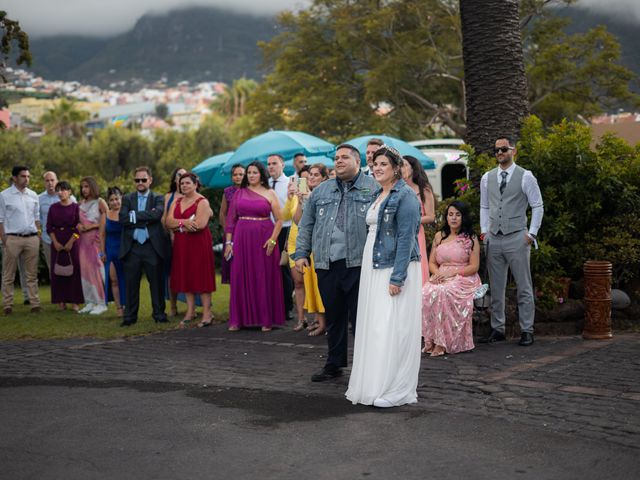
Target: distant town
x,y
181,107
159,106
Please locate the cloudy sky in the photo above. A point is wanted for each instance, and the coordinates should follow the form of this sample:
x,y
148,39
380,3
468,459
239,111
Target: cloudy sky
x,y
105,17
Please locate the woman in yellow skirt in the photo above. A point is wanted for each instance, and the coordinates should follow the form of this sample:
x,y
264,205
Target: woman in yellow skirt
x,y
299,191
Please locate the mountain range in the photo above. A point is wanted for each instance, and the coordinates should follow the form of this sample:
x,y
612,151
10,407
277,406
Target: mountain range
x,y
210,44
195,44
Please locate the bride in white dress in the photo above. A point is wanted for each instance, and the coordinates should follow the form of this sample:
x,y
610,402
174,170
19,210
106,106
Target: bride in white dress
x,y
386,352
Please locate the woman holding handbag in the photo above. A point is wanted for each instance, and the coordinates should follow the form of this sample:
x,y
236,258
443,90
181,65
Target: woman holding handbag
x,y
62,221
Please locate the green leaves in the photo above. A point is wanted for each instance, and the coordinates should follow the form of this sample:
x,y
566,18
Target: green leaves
x,y
65,120
341,68
574,76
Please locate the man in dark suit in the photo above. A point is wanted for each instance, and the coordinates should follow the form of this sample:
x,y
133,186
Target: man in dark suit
x,y
144,246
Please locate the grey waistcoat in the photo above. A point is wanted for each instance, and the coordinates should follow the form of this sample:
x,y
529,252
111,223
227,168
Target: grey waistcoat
x,y
507,212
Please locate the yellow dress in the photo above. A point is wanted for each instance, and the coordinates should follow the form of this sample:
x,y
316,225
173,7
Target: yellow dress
x,y
312,299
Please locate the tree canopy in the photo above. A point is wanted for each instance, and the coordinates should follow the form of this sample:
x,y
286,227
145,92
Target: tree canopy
x,y
340,68
11,33
65,120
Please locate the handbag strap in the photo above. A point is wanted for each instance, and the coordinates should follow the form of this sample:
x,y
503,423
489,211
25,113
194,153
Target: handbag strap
x,y
69,254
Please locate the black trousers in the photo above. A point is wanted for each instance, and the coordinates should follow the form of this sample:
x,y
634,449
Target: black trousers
x,y
339,291
143,258
287,281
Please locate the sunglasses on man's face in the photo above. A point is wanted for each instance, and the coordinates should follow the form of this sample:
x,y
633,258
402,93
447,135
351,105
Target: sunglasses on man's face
x,y
502,150
141,180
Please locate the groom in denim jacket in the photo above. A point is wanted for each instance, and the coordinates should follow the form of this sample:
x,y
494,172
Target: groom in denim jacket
x,y
333,226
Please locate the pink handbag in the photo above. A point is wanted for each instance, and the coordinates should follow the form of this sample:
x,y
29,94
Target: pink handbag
x,y
63,270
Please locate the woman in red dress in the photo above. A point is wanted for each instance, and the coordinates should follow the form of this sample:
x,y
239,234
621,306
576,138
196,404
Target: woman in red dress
x,y
192,267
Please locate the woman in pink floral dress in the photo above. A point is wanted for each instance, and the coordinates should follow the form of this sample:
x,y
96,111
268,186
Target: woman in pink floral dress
x,y
447,299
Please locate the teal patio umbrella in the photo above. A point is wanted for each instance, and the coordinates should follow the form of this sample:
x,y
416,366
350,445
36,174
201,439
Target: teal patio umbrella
x,y
403,147
281,142
209,171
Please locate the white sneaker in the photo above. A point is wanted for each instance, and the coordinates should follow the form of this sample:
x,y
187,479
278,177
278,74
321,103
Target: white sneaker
x,y
100,309
87,308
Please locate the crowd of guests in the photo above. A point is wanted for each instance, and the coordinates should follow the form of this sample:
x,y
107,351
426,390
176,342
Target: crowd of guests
x,y
344,247
96,250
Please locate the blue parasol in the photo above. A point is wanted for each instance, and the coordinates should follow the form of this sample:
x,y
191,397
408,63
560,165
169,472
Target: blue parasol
x,y
280,142
209,171
403,147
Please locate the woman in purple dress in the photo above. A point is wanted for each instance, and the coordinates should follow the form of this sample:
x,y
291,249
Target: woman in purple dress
x,y
62,222
237,174
251,238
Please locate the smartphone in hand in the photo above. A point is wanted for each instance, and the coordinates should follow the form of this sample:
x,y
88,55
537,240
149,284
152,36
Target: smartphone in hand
x,y
302,186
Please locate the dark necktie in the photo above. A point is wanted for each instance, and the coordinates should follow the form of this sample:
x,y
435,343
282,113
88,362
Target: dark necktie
x,y
503,183
273,184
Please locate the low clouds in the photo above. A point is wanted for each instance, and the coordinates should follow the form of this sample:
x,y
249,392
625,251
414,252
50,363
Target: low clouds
x,y
103,18
622,9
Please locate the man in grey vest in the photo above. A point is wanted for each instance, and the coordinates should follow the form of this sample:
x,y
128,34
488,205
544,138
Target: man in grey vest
x,y
505,194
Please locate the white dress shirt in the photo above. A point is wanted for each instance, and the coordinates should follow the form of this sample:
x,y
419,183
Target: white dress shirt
x,y
529,187
19,211
281,187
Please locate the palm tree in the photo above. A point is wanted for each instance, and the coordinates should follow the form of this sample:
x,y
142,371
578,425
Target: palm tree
x,y
232,103
494,75
65,120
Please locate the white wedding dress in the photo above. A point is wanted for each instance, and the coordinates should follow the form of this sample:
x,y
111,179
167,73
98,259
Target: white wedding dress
x,y
386,352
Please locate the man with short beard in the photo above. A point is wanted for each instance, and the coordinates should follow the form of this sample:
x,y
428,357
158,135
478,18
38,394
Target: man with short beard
x,y
20,233
143,247
333,226
506,192
373,145
299,162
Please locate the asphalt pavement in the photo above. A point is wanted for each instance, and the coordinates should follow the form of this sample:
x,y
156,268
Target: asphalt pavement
x,y
207,403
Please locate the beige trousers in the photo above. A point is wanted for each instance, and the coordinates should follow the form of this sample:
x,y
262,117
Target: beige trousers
x,y
29,248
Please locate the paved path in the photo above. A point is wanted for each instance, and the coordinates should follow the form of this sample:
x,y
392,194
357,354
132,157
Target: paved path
x,y
563,398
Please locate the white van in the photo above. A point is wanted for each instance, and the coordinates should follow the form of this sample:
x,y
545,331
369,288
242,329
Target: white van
x,y
451,164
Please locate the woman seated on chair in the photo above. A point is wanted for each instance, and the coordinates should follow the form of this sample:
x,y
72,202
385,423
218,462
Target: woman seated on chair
x,y
447,299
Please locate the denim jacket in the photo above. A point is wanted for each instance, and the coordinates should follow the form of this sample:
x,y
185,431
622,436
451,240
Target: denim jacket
x,y
396,241
319,218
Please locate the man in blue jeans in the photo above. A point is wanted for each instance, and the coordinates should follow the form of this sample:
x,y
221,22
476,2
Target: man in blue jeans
x,y
333,226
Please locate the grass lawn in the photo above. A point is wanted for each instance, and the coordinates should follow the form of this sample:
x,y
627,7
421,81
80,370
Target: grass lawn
x,y
52,323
